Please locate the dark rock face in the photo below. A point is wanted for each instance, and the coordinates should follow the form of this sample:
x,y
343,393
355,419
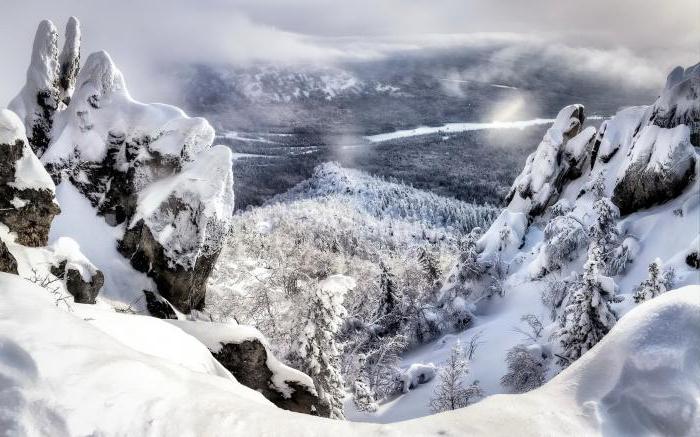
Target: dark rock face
x,y
27,211
82,291
247,361
8,263
693,260
645,184
158,307
184,288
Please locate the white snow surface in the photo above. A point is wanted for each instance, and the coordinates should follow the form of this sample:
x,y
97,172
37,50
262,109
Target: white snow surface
x,y
63,375
457,127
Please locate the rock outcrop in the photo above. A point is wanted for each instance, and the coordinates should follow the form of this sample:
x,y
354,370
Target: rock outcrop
x,y
147,167
558,159
247,362
27,203
661,156
244,352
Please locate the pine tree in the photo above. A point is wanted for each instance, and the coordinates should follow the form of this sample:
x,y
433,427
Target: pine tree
x,y
317,354
604,230
430,266
388,306
655,284
588,316
452,392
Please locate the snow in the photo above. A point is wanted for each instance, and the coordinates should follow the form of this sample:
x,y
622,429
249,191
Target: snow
x,y
98,241
11,127
69,376
457,127
30,174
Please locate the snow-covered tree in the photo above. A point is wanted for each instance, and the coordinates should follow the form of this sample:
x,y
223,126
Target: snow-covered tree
x,y
452,391
388,316
527,367
588,315
658,281
430,266
363,398
316,352
604,230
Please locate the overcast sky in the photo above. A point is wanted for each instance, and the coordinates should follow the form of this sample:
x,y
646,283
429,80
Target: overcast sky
x,y
646,37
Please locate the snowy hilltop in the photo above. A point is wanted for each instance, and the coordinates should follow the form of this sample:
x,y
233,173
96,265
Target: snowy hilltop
x,y
134,302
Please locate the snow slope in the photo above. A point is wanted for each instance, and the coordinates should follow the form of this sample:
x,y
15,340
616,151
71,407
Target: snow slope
x,y
64,375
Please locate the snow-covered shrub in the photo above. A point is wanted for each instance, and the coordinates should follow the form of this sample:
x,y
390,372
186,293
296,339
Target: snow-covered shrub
x,y
659,281
564,238
417,374
527,368
622,256
363,398
452,391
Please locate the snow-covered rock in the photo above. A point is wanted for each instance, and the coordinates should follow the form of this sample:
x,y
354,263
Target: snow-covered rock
x,y
244,351
27,204
8,263
148,169
558,158
38,100
81,277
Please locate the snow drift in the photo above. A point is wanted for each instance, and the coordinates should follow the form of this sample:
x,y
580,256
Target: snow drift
x,y
63,375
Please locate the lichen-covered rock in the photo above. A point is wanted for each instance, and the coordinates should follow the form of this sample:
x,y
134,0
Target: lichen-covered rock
x,y
27,203
8,263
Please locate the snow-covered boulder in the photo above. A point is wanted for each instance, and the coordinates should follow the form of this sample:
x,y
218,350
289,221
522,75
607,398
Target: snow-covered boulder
x,y
82,279
679,102
27,204
146,168
244,351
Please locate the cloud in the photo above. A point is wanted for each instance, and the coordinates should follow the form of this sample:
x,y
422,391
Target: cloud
x,y
642,38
